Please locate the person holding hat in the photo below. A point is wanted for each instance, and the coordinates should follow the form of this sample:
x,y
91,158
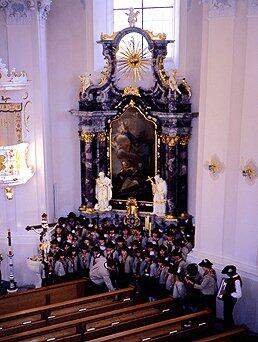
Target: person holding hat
x,y
233,291
208,286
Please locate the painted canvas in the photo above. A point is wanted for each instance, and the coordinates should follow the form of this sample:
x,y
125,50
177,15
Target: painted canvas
x,y
133,155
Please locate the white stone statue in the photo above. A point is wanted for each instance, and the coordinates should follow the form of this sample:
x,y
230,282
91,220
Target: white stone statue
x,y
172,82
159,190
132,16
103,192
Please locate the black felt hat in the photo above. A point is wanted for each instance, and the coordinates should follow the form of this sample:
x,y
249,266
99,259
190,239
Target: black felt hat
x,y
229,270
205,263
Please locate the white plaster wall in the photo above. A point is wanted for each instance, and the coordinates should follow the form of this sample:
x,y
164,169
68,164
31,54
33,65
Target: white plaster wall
x,y
67,48
192,74
226,229
3,39
25,42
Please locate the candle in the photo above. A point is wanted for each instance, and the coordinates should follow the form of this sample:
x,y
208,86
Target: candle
x,y
150,229
147,222
9,237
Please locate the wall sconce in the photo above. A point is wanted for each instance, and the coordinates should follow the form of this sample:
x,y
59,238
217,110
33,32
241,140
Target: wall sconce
x,y
214,166
14,169
249,171
9,192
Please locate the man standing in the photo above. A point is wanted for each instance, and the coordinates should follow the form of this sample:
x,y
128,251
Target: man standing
x,y
99,274
233,291
208,286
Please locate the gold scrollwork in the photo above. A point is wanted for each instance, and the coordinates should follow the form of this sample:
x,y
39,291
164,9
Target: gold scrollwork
x,y
86,210
170,140
184,140
18,127
131,90
158,36
105,72
162,73
106,36
87,136
101,136
10,107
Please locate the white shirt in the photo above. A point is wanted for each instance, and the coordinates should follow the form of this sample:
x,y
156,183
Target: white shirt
x,y
238,293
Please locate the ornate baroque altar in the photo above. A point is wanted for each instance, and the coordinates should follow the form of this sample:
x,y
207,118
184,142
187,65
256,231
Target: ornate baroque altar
x,y
135,123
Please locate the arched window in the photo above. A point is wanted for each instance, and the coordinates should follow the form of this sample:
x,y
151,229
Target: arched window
x,y
156,16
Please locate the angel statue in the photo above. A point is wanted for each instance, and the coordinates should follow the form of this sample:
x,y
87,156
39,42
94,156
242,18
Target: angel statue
x,y
103,192
172,82
159,190
85,82
132,16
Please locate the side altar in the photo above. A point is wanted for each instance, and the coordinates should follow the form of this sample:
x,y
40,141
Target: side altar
x,y
134,124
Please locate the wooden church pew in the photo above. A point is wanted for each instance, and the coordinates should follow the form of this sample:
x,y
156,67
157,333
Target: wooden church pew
x,y
43,296
98,325
39,317
77,330
234,334
167,330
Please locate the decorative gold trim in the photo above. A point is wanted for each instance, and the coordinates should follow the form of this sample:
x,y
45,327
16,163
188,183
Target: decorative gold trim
x,y
170,217
2,162
249,171
86,136
158,36
101,136
18,127
162,73
184,140
9,193
131,90
132,104
170,140
86,210
106,36
11,107
105,72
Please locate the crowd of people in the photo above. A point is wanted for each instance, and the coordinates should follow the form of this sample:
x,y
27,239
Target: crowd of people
x,y
155,262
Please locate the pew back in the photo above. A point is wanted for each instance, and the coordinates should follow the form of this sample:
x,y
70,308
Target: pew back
x,y
42,296
235,334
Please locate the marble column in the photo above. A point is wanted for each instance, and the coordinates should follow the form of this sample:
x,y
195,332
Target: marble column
x,y
101,152
183,173
87,174
171,173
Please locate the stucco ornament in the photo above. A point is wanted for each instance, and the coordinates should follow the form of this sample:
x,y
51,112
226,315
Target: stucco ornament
x,y
221,8
44,8
17,11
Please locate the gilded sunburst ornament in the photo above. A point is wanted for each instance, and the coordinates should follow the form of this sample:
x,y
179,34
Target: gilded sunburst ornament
x,y
133,60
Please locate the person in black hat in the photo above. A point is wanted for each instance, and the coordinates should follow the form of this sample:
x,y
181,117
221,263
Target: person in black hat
x,y
233,291
208,286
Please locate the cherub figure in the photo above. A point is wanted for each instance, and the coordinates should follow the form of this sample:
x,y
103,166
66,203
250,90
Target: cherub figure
x,y
85,82
172,82
132,16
